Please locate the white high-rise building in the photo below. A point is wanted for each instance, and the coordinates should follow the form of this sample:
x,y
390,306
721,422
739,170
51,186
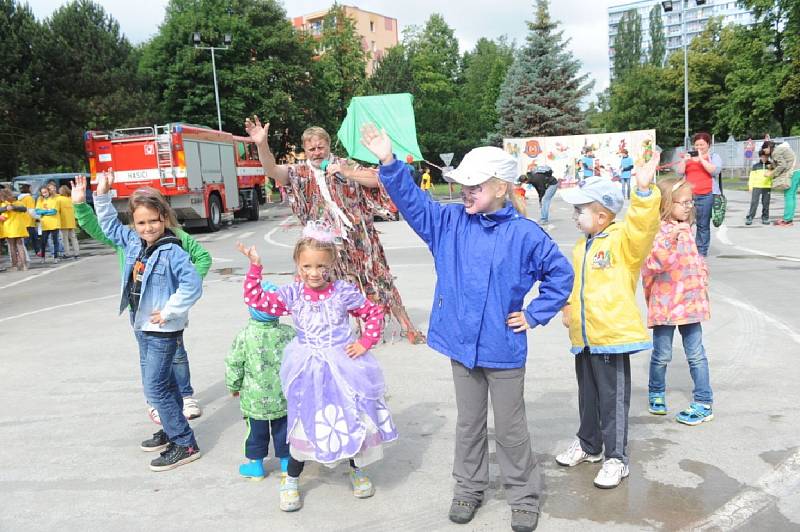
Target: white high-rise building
x,y
696,19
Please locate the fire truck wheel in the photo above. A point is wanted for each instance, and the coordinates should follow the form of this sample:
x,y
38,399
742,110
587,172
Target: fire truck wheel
x,y
214,213
252,212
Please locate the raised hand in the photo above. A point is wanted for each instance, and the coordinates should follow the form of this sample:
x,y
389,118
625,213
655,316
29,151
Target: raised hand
x,y
645,174
104,181
79,189
378,142
250,253
255,130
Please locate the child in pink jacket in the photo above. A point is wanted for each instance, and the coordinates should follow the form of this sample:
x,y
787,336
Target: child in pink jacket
x,y
675,280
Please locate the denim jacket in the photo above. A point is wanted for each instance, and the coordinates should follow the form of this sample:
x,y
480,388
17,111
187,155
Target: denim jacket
x,y
170,282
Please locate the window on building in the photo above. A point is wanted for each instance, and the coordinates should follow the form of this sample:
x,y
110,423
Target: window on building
x,y
372,26
373,48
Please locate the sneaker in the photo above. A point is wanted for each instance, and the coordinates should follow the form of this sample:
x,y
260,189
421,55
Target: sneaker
x,y
152,413
362,485
765,221
191,408
575,455
290,494
524,520
254,470
175,456
462,512
612,474
56,260
748,221
696,413
658,405
158,442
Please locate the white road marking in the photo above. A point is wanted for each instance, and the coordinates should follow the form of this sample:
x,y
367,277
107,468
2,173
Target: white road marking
x,y
784,480
45,309
42,273
220,259
246,234
268,236
722,236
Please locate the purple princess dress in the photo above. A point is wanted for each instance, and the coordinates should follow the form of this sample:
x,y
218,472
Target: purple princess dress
x,y
336,408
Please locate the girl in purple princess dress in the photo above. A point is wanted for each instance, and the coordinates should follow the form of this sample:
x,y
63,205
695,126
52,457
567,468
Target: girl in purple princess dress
x,y
334,387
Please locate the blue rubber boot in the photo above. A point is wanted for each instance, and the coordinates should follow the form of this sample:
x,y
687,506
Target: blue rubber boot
x,y
254,469
284,465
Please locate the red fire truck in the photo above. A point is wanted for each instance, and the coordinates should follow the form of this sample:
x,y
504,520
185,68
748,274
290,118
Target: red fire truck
x,y
206,175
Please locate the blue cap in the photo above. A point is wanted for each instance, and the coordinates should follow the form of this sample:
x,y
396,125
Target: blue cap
x,y
599,189
259,315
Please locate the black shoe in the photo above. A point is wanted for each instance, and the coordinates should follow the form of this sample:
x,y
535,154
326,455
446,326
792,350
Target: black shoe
x,y
748,221
462,512
158,442
765,221
524,521
175,456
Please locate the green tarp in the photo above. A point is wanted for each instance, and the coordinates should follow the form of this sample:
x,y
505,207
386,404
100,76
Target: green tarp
x,y
392,112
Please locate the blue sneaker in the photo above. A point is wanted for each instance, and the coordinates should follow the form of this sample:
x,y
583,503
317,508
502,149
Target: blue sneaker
x,y
658,404
254,470
694,415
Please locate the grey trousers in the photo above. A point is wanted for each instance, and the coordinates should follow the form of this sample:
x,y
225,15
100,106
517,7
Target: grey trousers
x,y
521,474
604,399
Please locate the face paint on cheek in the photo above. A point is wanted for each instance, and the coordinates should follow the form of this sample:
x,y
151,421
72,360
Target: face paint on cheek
x,y
585,219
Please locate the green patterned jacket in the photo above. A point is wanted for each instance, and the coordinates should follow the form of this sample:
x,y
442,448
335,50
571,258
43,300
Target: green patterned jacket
x,y
253,366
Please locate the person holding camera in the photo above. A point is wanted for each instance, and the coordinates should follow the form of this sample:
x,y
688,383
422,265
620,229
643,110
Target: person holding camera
x,y
699,167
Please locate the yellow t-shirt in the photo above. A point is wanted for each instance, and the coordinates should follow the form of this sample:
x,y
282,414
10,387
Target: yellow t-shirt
x,y
29,203
51,222
66,212
16,224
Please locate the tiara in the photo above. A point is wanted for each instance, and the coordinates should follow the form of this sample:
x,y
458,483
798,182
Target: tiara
x,y
320,230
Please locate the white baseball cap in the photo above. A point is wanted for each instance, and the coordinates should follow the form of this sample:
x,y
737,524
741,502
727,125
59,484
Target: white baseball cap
x,y
481,164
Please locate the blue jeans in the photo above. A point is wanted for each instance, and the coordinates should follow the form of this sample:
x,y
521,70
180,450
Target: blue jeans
x,y
702,207
626,187
156,357
180,366
546,199
692,336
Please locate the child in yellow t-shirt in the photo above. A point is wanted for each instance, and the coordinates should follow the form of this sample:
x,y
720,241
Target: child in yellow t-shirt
x,y
66,215
760,183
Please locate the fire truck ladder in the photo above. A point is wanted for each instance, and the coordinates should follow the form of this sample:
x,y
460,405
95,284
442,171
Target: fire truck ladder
x,y
166,165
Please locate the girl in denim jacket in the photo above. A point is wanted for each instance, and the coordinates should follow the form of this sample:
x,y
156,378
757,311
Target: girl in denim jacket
x,y
675,280
159,285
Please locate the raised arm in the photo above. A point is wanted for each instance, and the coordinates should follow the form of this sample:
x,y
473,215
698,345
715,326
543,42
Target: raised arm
x,y
107,214
260,135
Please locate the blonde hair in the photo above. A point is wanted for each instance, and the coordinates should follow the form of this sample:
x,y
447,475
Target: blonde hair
x,y
64,190
516,201
669,187
151,198
312,243
315,131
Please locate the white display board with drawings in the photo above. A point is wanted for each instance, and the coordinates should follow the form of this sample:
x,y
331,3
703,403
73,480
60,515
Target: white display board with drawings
x,y
562,153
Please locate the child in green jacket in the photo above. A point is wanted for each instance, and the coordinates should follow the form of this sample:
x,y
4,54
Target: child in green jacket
x,y
200,258
252,372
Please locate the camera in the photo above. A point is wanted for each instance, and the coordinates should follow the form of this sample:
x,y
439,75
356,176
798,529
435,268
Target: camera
x,y
693,153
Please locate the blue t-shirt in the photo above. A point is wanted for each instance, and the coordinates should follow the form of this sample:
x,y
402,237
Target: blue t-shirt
x,y
624,163
588,166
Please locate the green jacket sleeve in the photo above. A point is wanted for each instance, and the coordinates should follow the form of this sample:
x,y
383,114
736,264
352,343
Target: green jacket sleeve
x,y
234,364
199,255
87,219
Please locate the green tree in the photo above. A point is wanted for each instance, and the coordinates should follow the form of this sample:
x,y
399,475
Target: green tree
x,y
343,63
658,41
393,73
627,43
21,91
268,70
543,88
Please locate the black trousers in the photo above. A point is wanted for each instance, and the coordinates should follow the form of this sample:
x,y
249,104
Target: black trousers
x,y
764,194
296,466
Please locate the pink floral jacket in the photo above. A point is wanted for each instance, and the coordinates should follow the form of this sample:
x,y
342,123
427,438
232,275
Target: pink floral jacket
x,y
675,278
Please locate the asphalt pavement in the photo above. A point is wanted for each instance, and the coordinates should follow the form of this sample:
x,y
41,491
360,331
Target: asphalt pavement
x,y
73,412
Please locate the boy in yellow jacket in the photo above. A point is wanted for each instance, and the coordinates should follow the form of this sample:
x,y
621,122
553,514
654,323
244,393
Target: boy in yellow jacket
x,y
605,325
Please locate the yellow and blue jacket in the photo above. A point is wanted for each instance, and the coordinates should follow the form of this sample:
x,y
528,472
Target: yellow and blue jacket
x,y
603,312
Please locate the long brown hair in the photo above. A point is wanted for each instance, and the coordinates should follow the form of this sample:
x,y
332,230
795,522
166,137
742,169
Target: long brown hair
x,y
151,198
312,243
669,187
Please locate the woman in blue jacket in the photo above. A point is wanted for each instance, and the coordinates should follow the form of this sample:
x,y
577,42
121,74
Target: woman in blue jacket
x,y
159,285
487,259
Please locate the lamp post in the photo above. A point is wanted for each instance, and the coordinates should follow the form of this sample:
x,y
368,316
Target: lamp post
x,y
668,7
226,41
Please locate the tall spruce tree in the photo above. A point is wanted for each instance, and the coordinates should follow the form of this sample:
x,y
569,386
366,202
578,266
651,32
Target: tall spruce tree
x,y
628,43
543,88
658,40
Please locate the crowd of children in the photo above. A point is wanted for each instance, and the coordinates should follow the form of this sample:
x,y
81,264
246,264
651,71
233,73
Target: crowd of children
x,y
316,391
39,225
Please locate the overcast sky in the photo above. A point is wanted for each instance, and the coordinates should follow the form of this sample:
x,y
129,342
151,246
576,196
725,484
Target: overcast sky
x,y
584,21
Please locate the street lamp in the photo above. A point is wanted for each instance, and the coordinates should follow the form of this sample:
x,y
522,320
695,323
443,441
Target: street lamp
x,y
668,6
226,41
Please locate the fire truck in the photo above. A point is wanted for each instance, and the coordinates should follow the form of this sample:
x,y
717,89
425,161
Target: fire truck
x,y
207,175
